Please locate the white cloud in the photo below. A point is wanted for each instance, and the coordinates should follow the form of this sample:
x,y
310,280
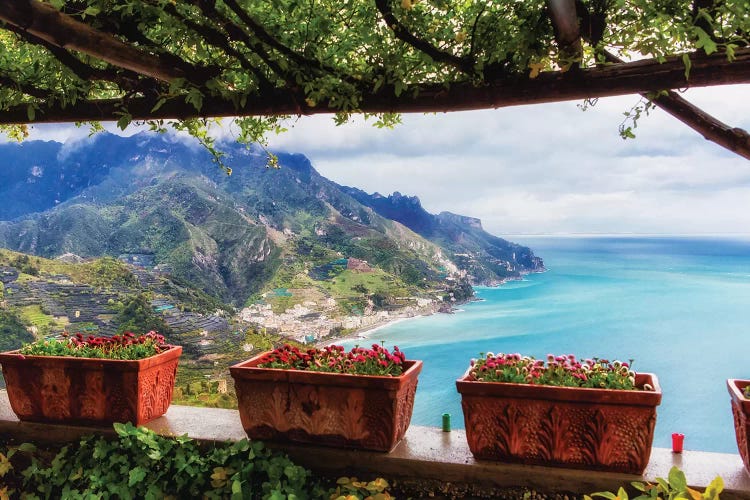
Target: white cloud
x,y
63,133
548,168
538,169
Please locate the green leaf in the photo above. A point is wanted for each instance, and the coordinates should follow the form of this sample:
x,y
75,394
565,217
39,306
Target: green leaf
x,y
714,489
399,88
27,447
730,52
688,64
30,112
123,122
704,41
5,465
136,475
663,483
677,479
639,485
159,104
627,133
605,494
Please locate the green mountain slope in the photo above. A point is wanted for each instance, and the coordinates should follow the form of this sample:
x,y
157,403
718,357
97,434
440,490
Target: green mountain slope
x,y
486,259
236,238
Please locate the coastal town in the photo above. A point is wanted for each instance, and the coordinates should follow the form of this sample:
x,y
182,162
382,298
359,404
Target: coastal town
x,y
311,322
52,304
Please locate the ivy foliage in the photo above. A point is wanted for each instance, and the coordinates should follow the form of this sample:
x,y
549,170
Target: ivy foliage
x,y
329,54
673,487
142,464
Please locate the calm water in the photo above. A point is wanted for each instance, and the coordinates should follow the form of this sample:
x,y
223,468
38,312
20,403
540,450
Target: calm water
x,y
679,307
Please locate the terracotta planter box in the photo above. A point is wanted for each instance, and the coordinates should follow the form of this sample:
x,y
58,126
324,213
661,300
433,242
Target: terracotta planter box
x,y
599,429
741,412
88,391
353,411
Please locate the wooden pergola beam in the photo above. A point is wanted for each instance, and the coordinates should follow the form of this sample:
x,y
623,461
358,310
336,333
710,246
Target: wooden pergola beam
x,y
48,24
711,128
41,23
618,79
564,19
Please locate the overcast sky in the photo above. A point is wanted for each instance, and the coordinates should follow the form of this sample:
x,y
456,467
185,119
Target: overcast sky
x,y
543,169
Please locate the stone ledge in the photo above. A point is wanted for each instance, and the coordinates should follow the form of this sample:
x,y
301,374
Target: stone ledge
x,y
426,453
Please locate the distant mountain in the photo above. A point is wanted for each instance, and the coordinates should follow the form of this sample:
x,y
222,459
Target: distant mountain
x,y
486,258
239,236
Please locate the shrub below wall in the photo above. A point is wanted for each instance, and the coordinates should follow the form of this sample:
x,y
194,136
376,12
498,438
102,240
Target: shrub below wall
x,y
142,464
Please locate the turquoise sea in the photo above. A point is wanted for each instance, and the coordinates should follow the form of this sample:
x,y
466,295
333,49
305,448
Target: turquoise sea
x,y
680,307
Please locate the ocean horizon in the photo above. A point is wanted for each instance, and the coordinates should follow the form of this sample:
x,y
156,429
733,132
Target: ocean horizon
x,y
678,306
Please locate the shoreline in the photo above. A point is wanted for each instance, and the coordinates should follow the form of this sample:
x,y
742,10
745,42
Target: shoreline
x,y
366,332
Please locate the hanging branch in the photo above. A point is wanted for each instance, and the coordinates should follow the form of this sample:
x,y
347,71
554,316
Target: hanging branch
x,y
402,33
219,40
264,36
124,78
236,33
711,128
130,30
474,27
44,21
700,21
29,90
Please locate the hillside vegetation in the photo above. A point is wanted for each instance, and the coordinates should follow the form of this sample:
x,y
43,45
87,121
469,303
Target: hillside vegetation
x,y
234,237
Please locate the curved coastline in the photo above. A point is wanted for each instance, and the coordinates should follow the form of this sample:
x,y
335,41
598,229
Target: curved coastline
x,y
366,333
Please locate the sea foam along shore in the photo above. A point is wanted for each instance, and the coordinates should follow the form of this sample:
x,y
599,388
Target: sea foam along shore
x,y
363,334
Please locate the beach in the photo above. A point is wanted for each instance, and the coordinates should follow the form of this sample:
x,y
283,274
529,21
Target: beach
x,y
363,334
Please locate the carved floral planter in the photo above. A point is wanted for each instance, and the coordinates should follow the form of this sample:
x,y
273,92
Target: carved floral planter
x,y
599,429
89,391
330,409
741,413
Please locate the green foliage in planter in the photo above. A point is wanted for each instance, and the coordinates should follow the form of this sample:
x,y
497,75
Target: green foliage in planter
x,y
142,464
674,487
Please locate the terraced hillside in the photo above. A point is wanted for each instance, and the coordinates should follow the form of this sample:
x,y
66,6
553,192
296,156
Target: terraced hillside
x,y
43,298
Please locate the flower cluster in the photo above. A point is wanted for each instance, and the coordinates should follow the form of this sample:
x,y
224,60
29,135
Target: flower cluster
x,y
334,359
563,371
125,346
